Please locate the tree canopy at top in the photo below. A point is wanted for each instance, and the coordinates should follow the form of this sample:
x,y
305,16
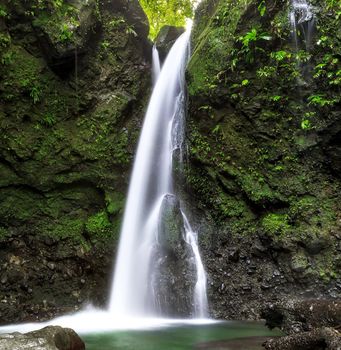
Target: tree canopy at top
x,y
166,12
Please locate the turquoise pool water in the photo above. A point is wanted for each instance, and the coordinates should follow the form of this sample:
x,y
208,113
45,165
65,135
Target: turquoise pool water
x,y
222,335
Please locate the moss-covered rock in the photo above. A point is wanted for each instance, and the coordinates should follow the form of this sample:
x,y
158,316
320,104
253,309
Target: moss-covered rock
x,y
263,118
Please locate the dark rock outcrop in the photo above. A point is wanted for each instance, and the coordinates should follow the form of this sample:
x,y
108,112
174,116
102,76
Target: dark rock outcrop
x,y
166,38
48,338
294,316
318,339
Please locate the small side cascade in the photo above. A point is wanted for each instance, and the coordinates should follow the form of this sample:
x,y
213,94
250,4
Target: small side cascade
x,y
302,20
156,65
200,293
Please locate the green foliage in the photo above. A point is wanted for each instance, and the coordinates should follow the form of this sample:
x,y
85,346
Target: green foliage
x,y
262,8
329,69
275,98
250,43
166,12
5,40
266,72
3,12
306,124
320,101
48,119
280,55
36,93
105,44
3,232
245,82
7,58
117,22
130,30
66,32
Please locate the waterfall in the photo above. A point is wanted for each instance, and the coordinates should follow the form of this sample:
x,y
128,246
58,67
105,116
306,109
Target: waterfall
x,y
302,20
156,68
133,289
200,296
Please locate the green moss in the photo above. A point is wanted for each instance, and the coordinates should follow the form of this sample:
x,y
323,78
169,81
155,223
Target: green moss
x,y
231,206
66,227
257,189
276,224
214,43
99,226
114,201
19,205
314,211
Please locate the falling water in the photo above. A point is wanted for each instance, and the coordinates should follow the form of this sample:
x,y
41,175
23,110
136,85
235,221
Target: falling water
x,y
302,22
200,295
150,186
156,65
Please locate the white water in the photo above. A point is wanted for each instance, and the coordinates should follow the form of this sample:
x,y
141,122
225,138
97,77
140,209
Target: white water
x,y
151,181
156,68
200,296
302,18
96,321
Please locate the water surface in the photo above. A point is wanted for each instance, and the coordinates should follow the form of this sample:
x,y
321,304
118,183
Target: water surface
x,y
222,335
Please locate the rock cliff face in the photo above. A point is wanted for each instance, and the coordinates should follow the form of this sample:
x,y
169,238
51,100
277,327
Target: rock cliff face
x,y
264,131
74,83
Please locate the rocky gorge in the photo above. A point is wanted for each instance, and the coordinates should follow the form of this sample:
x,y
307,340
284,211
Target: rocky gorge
x,y
262,176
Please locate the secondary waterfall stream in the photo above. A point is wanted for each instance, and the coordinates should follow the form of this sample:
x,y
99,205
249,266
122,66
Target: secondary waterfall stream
x,y
302,22
135,280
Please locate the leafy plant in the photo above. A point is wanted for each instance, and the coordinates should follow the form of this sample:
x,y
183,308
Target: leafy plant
x,y
7,58
48,119
320,101
130,30
275,98
65,33
105,44
266,72
35,93
262,8
116,22
306,124
5,40
249,43
3,12
280,55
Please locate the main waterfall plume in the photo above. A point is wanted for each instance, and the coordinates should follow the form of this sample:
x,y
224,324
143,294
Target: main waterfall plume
x,y
133,290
